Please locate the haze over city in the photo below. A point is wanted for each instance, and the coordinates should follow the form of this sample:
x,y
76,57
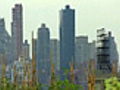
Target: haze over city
x,y
90,16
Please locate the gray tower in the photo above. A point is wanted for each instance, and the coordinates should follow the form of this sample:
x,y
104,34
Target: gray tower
x,y
5,42
43,55
17,30
67,38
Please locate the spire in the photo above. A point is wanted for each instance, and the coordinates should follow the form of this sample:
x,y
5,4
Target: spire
x,y
67,6
43,25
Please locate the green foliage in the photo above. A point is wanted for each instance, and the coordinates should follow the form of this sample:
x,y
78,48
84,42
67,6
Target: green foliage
x,y
56,85
112,84
64,85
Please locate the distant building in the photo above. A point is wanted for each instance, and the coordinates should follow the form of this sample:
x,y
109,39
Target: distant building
x,y
43,55
5,42
26,50
114,56
22,67
84,51
55,53
17,31
67,39
106,51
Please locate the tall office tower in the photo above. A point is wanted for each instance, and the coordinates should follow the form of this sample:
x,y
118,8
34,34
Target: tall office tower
x,y
17,30
106,51
26,50
55,54
5,42
67,39
43,55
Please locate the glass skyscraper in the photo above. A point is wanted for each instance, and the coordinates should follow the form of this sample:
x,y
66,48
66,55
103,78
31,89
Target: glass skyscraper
x,y
43,55
67,38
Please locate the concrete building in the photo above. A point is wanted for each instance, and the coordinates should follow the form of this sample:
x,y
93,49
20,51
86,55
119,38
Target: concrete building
x,y
114,56
84,50
20,67
5,42
55,52
107,52
43,55
17,31
67,38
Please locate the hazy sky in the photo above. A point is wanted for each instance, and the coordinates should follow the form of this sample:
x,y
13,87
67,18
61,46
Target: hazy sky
x,y
90,16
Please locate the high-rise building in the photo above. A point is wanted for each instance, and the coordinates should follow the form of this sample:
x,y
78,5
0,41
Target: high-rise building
x,y
43,55
84,51
5,42
106,51
26,50
67,38
17,30
55,54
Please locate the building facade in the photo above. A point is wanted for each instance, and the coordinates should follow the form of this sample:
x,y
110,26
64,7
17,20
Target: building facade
x,y
26,50
17,30
43,55
67,38
55,53
84,50
5,42
106,50
22,68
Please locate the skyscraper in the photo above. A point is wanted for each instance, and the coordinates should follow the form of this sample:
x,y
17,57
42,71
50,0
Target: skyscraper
x,y
5,42
67,38
17,30
43,55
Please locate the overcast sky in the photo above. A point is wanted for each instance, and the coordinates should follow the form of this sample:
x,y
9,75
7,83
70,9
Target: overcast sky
x,y
90,16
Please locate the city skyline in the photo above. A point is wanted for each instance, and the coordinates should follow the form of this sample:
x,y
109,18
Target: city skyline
x,y
74,46
86,12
